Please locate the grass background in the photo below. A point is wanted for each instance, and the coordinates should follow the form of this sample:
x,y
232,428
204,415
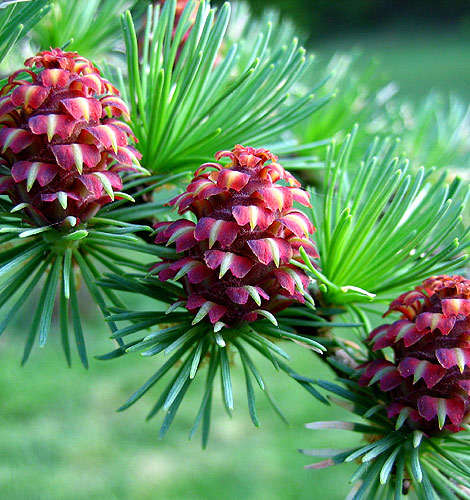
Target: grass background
x,y
61,439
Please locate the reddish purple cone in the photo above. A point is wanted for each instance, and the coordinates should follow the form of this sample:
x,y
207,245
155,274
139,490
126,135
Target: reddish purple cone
x,y
428,381
234,260
61,141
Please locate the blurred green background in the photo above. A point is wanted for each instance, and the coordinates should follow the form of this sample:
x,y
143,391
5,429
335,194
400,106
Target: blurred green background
x,y
61,439
421,44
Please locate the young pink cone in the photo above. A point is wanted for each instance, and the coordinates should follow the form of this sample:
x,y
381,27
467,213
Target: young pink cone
x,y
234,260
61,140
429,379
